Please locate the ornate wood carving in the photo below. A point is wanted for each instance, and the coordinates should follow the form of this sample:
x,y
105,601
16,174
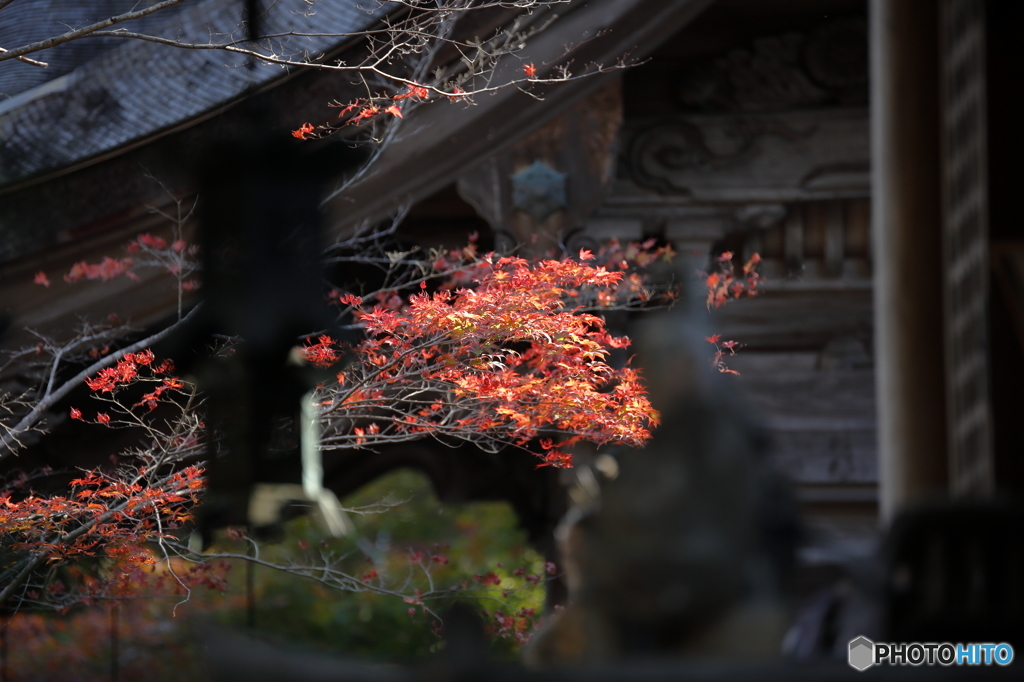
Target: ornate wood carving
x,y
826,66
792,156
782,118
539,191
578,145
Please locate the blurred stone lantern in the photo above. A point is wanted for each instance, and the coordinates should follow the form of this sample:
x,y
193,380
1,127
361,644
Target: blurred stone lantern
x,y
263,290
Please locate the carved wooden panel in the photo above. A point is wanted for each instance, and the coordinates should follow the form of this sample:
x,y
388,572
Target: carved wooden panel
x,y
824,66
787,156
816,240
569,162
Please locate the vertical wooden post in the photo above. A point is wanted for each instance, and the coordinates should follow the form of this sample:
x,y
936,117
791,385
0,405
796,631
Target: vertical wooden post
x,y
250,586
6,619
793,242
906,232
835,222
115,667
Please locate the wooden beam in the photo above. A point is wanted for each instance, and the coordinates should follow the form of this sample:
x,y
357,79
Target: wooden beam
x,y
437,143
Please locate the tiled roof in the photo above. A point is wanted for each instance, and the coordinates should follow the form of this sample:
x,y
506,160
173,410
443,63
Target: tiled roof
x,y
132,89
28,21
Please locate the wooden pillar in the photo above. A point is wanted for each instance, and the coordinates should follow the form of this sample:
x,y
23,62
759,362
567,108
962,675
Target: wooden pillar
x,y
906,231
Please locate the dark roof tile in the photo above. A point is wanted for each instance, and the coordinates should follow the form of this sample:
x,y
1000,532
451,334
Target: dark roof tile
x,y
138,88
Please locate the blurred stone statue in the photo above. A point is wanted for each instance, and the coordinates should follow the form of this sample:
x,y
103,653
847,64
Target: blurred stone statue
x,y
683,548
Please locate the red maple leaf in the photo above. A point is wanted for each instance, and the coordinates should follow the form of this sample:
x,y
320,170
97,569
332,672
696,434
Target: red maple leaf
x,y
153,242
413,90
321,354
365,113
304,129
489,579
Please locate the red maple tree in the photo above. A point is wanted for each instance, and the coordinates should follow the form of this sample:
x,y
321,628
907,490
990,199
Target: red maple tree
x,y
496,351
500,363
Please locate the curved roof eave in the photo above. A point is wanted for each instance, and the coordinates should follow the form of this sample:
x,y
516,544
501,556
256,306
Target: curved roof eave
x,y
437,144
593,33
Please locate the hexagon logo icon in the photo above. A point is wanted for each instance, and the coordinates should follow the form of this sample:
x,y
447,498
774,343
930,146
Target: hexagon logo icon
x,y
862,653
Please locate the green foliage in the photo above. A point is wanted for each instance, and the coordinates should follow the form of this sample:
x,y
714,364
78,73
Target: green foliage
x,y
475,539
157,637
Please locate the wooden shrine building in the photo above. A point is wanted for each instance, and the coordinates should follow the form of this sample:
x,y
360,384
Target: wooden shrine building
x,y
886,351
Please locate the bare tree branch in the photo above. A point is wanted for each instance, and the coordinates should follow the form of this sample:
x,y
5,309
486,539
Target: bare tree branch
x,y
39,409
84,31
33,561
27,60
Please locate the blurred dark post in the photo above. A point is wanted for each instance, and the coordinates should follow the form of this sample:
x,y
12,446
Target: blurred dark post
x,y
953,575
931,238
949,570
262,284
4,620
906,237
262,244
253,18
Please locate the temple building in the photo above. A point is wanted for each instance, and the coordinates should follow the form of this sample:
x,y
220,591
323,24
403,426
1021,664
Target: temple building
x,y
864,149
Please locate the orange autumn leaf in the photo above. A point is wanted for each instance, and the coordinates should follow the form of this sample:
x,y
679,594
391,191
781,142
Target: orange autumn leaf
x,y
725,284
365,113
414,91
506,356
303,130
321,353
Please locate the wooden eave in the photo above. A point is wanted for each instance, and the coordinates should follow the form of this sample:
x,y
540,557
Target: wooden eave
x,y
438,143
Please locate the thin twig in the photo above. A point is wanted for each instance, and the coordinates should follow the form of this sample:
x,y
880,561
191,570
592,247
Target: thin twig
x,y
39,410
84,31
